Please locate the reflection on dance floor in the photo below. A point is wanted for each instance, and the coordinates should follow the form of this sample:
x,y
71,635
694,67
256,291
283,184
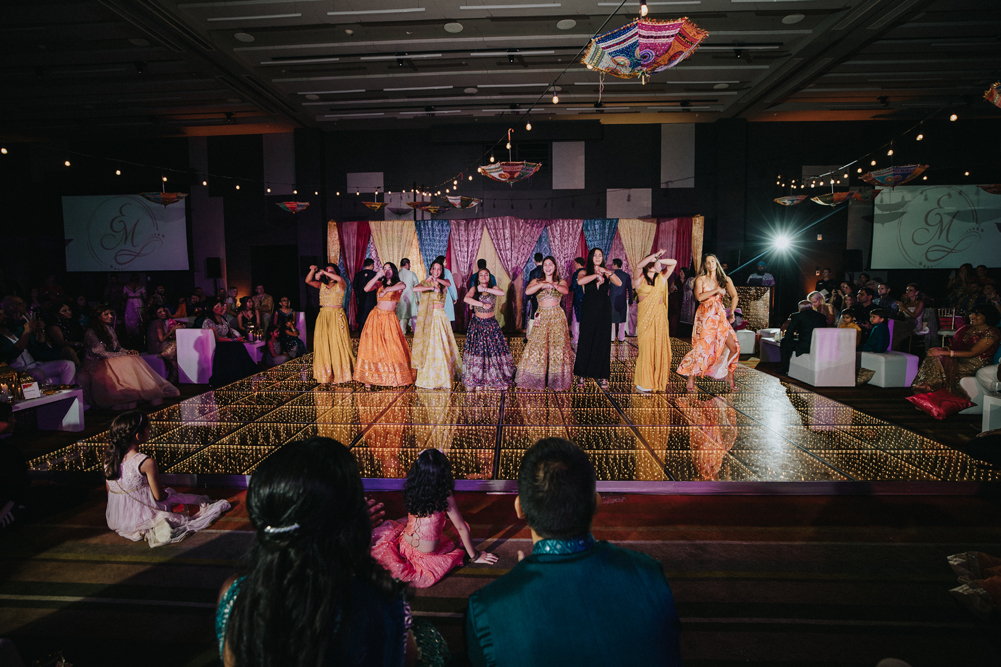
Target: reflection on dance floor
x,y
765,431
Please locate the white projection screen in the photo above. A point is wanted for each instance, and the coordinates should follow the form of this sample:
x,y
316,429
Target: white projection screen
x,y
936,227
124,233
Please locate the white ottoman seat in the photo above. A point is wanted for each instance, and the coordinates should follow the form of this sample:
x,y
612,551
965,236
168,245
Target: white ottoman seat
x,y
893,369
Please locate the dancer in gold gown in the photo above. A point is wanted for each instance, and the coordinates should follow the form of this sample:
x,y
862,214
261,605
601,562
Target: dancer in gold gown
x,y
653,363
440,363
547,361
383,353
333,359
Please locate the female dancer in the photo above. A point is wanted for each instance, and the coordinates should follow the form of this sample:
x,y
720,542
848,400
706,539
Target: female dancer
x,y
486,357
653,364
594,348
413,549
333,358
383,354
440,364
712,331
548,356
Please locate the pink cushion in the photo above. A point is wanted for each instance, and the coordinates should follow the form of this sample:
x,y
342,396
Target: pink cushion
x,y
940,404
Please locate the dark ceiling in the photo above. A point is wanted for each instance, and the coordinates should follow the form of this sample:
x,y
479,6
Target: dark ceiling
x,y
189,67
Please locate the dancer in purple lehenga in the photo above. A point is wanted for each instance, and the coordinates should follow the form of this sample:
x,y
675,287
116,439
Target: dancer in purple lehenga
x,y
486,358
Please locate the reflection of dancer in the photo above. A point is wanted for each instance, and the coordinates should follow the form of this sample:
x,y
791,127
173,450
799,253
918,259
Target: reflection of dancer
x,y
332,355
653,364
715,351
413,550
714,436
594,348
486,357
548,356
383,354
440,364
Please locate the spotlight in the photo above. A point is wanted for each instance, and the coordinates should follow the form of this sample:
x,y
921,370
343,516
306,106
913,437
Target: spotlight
x,y
140,67
953,117
738,53
781,242
229,116
399,62
510,58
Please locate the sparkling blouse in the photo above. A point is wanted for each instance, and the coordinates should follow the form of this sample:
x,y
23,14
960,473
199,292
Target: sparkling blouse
x,y
221,328
966,339
485,297
549,293
95,349
332,295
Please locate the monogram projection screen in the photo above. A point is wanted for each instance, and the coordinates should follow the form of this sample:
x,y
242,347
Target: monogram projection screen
x,y
124,233
936,227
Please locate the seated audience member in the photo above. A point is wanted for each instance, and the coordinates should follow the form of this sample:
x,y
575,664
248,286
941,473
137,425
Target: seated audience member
x,y
182,307
51,292
231,361
196,304
761,276
826,285
162,337
65,334
983,277
738,320
33,304
879,335
573,601
817,302
274,354
264,304
288,333
799,334
863,308
247,318
911,308
117,378
81,310
158,299
311,593
884,300
232,302
956,287
971,298
848,322
139,508
863,281
838,298
973,347
15,336
992,297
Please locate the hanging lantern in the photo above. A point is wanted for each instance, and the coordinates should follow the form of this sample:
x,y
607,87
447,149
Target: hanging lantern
x,y
462,202
790,200
509,172
293,207
866,196
832,198
993,96
375,205
894,176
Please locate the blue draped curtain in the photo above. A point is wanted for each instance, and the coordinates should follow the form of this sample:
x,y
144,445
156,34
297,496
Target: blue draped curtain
x,y
542,245
600,233
432,237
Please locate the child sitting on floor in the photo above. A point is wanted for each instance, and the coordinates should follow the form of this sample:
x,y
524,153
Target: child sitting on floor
x,y
412,549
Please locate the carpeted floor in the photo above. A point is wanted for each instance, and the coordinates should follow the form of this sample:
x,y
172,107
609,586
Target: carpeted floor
x,y
757,580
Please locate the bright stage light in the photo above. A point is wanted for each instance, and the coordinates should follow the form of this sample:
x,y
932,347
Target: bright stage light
x,y
781,242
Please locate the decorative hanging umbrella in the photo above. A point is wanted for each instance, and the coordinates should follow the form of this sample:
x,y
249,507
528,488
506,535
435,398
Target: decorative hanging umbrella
x,y
866,196
509,172
894,176
293,207
435,210
643,46
791,200
375,205
417,204
397,210
994,189
832,198
993,96
165,198
462,202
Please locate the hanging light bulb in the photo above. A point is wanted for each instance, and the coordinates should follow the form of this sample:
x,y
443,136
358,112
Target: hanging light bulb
x,y
966,174
528,126
269,190
508,145
889,152
338,193
924,178
643,9
920,137
118,172
455,183
860,170
3,150
316,192
67,163
164,179
491,158
295,192
556,98
873,163
447,190
205,182
238,187
470,177
953,117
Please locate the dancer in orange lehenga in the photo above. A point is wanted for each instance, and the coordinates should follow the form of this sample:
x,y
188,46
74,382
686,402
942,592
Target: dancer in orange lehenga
x,y
383,353
715,351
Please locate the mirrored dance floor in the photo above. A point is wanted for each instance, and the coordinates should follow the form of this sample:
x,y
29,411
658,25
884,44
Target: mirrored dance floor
x,y
765,431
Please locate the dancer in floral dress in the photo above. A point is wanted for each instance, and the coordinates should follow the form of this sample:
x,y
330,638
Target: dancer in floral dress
x,y
715,351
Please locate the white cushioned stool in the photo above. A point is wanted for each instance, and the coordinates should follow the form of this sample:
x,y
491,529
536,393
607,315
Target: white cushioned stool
x,y
746,339
831,361
155,362
893,369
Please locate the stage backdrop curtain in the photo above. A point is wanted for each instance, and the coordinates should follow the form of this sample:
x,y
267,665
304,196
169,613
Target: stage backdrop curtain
x,y
464,241
637,238
564,241
599,233
541,246
372,253
513,239
393,239
333,243
618,251
698,225
354,244
432,236
416,259
675,237
505,304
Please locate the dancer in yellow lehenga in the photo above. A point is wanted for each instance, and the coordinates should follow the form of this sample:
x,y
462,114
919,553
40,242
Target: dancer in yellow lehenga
x,y
440,364
653,363
383,353
333,359
548,358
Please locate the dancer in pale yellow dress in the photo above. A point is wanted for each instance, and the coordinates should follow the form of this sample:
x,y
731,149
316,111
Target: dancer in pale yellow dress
x,y
440,364
333,360
653,363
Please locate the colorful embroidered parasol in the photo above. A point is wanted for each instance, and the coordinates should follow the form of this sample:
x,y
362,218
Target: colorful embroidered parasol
x,y
165,198
894,176
832,198
462,202
791,200
993,96
509,172
866,196
293,207
643,46
434,210
417,204
375,205
994,189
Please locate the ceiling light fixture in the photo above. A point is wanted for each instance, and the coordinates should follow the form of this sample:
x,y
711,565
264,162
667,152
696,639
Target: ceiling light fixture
x,y
138,41
541,5
408,10
332,92
312,96
792,19
395,90
566,24
402,56
644,10
243,37
453,27
262,17
510,54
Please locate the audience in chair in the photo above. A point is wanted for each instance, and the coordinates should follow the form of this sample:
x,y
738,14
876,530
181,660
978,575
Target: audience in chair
x,y
288,333
799,333
231,361
817,302
973,347
162,339
847,321
879,334
16,336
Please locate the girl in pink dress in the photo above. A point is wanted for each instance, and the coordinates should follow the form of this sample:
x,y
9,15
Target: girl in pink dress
x,y
413,549
715,351
138,507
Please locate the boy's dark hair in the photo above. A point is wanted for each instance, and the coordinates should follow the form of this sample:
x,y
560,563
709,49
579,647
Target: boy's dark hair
x,y
556,489
368,263
580,260
481,264
617,263
538,258
879,312
405,263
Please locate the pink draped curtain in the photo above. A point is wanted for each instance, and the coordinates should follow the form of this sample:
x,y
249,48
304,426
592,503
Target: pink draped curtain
x,y
564,241
618,251
514,239
464,242
354,238
674,235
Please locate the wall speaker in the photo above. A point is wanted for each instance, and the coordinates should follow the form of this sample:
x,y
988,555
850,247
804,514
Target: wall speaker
x,y
213,267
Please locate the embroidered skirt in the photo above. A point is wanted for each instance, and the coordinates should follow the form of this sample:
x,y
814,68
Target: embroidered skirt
x,y
548,357
383,353
333,359
486,357
442,364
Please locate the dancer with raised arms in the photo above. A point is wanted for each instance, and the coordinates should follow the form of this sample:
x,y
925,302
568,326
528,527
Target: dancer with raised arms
x,y
547,361
653,363
383,353
486,358
715,351
440,363
333,358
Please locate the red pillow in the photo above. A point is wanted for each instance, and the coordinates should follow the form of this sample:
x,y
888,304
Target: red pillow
x,y
940,404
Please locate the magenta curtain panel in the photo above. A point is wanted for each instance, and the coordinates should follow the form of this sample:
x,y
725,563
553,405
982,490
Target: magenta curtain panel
x,y
514,240
355,237
564,239
464,240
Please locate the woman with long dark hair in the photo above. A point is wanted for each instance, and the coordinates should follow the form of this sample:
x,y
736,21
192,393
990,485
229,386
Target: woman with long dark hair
x,y
162,334
383,353
547,360
231,361
413,549
486,357
333,358
118,378
312,594
138,505
594,347
653,336
973,347
440,364
715,351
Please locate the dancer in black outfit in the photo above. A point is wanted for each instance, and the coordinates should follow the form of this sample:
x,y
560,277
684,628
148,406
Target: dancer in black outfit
x,y
594,349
